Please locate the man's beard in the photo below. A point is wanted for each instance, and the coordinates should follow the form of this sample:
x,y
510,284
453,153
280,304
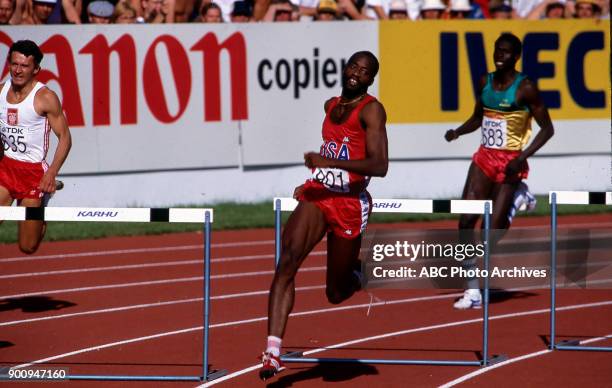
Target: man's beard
x,y
351,93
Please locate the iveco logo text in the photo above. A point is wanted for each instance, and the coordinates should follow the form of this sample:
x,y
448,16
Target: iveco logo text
x,y
98,214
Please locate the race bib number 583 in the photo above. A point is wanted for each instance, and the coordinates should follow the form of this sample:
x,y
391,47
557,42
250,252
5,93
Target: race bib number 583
x,y
494,132
333,179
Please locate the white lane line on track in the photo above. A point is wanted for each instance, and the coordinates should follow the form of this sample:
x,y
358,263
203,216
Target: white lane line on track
x,y
214,245
246,294
220,276
481,371
135,250
147,265
149,305
155,282
364,339
236,323
416,330
200,262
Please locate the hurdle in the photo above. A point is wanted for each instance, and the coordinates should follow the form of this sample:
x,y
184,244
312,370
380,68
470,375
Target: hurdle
x,y
171,215
412,206
556,198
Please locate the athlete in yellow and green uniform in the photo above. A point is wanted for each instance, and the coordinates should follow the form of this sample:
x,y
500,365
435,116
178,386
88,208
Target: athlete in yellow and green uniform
x,y
507,100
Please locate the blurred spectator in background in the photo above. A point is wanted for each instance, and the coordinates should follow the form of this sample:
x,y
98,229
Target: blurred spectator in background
x,y
242,12
523,7
124,13
211,13
307,9
501,10
66,11
432,9
100,12
279,11
377,9
183,10
156,11
587,9
327,10
352,9
398,10
460,9
548,9
480,9
7,8
71,11
41,11
226,7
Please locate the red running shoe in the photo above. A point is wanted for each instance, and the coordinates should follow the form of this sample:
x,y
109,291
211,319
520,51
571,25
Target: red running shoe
x,y
271,365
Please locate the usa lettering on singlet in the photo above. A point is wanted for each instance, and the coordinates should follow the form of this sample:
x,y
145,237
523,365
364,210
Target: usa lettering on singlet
x,y
24,133
344,141
505,124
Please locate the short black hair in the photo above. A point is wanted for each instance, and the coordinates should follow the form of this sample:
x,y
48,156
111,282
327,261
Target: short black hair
x,y
27,48
515,42
371,58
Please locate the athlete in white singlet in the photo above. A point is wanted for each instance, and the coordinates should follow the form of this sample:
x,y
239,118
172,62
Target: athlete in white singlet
x,y
29,111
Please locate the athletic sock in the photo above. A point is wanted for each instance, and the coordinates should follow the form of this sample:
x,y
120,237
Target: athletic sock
x,y
274,344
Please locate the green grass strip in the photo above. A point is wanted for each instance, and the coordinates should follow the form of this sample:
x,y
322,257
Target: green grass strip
x,y
241,216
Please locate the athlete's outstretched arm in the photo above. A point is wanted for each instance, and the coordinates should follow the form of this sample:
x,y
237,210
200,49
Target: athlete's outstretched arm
x,y
530,95
475,120
373,119
48,104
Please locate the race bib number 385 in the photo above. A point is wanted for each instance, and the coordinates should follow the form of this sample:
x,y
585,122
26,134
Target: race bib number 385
x,y
14,139
494,132
333,179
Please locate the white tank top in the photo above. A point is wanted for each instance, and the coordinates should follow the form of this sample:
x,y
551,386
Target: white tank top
x,y
25,133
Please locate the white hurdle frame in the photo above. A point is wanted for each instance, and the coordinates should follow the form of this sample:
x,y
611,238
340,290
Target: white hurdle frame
x,y
482,207
94,214
568,198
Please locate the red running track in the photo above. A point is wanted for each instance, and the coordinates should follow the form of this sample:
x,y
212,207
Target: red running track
x,y
134,306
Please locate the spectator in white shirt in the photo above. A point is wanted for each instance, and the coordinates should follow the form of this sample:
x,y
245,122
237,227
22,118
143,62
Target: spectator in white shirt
x,y
398,10
432,9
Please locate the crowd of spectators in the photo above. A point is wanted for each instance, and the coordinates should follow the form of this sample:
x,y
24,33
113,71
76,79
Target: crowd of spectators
x,y
24,12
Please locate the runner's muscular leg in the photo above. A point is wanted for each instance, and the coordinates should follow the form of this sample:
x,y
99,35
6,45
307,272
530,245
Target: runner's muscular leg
x,y
342,254
304,229
477,186
503,195
31,233
5,198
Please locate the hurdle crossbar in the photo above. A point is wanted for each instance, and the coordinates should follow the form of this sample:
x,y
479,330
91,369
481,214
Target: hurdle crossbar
x,y
484,207
556,198
97,214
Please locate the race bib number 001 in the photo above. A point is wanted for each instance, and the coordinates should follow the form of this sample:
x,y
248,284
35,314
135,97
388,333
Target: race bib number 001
x,y
333,179
494,132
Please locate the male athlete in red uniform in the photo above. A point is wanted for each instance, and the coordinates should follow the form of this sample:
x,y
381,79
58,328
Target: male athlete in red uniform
x,y
334,201
28,111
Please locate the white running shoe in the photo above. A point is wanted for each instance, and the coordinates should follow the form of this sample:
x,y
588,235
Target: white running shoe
x,y
471,299
523,201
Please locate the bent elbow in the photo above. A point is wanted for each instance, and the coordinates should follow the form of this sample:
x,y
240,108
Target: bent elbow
x,y
382,172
